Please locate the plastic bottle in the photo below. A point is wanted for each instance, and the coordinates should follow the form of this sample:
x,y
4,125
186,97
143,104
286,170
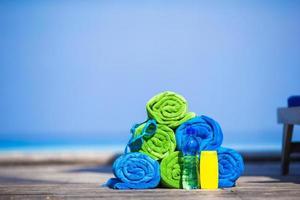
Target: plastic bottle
x,y
190,151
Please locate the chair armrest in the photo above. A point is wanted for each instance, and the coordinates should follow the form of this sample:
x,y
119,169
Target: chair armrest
x,y
288,115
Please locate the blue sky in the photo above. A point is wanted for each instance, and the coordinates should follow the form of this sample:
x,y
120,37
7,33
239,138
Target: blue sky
x,y
82,71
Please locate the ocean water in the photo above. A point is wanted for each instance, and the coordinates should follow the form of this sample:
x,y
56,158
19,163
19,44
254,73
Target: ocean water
x,y
256,141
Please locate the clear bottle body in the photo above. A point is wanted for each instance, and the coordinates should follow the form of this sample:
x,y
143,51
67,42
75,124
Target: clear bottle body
x,y
190,172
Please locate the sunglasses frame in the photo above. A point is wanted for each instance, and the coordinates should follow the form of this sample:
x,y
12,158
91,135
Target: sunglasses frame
x,y
132,143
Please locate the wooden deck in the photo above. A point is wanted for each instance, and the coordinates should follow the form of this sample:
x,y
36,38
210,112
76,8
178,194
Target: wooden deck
x,y
261,181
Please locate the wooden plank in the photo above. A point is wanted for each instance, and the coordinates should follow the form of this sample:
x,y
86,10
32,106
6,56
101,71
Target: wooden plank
x,y
288,115
84,182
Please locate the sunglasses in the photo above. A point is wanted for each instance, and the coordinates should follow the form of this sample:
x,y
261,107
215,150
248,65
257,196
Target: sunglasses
x,y
135,143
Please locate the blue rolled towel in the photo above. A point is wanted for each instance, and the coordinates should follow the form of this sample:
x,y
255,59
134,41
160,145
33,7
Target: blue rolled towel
x,y
231,167
206,130
135,171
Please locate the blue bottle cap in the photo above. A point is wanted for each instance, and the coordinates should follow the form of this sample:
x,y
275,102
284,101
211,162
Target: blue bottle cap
x,y
190,131
190,143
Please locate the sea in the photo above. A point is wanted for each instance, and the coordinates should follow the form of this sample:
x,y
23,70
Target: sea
x,y
255,142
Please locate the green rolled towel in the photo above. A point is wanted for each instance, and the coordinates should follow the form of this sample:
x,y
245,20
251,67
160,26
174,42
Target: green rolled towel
x,y
159,145
169,108
170,170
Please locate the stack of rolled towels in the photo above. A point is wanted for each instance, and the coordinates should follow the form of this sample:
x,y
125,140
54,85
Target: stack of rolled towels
x,y
153,156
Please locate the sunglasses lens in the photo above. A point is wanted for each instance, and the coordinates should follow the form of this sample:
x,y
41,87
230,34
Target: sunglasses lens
x,y
150,129
136,145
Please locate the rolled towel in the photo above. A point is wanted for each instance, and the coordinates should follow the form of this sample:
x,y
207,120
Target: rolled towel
x,y
207,131
171,169
135,171
169,108
160,144
231,167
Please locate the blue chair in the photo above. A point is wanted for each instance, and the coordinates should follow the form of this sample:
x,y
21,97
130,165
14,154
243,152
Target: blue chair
x,y
289,117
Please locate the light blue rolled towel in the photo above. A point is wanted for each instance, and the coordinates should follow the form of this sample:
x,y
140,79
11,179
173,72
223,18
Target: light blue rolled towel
x,y
206,130
135,171
231,167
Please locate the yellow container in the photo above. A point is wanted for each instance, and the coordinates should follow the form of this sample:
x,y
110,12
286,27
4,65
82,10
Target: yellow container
x,y
209,170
